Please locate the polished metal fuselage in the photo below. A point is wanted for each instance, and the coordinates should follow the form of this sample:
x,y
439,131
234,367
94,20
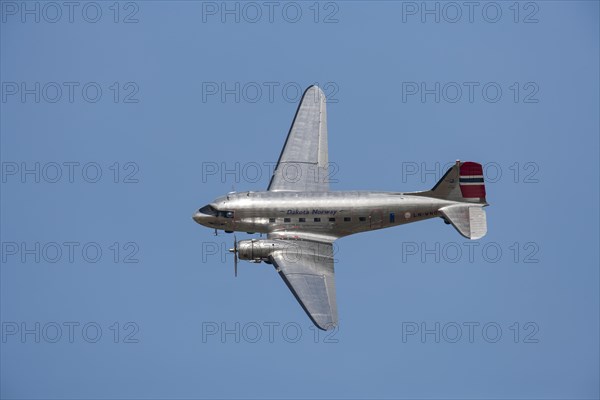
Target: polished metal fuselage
x,y
325,215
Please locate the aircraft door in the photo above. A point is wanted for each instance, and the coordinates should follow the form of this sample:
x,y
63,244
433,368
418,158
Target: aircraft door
x,y
376,219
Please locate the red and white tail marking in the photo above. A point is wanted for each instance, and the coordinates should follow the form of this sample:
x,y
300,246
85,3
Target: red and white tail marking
x,y
471,180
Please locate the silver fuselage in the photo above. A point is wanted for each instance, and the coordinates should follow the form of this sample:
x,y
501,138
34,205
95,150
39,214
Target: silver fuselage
x,y
326,215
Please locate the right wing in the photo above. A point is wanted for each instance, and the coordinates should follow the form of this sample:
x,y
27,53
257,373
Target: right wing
x,y
303,163
307,269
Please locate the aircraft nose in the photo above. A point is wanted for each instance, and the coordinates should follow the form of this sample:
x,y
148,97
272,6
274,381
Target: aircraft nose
x,y
199,217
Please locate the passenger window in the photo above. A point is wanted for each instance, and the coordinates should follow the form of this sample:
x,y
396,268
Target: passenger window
x,y
317,219
347,219
362,219
331,219
271,219
301,219
286,220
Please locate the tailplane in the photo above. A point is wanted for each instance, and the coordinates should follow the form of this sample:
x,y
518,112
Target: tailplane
x,y
469,221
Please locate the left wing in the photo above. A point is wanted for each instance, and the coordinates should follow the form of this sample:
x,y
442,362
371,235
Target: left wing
x,y
303,163
307,269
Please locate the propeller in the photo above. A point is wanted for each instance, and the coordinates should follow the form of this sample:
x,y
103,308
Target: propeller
x,y
235,255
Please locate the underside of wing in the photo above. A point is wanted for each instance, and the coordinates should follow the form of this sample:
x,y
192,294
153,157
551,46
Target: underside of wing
x,y
307,269
302,165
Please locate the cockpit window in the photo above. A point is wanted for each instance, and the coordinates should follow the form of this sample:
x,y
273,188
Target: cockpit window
x,y
208,210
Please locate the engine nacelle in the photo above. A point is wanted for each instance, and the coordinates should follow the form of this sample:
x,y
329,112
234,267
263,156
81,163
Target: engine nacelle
x,y
258,250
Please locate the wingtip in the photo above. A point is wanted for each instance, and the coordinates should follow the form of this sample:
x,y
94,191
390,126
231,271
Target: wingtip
x,y
326,327
315,88
324,324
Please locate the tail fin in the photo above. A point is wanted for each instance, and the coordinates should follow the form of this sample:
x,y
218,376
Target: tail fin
x,y
463,182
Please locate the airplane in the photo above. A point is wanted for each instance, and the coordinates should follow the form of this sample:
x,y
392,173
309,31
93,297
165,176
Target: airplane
x,y
302,218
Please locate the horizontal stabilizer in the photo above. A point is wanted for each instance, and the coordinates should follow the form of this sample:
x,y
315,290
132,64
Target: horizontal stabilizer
x,y
470,221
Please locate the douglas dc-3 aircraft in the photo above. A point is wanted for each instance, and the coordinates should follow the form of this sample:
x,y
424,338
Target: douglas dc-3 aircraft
x,y
302,218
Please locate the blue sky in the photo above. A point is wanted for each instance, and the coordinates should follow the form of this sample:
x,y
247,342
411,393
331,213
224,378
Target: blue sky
x,y
105,160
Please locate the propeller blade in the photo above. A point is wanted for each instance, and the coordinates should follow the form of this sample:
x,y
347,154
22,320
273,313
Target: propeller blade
x,y
235,255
